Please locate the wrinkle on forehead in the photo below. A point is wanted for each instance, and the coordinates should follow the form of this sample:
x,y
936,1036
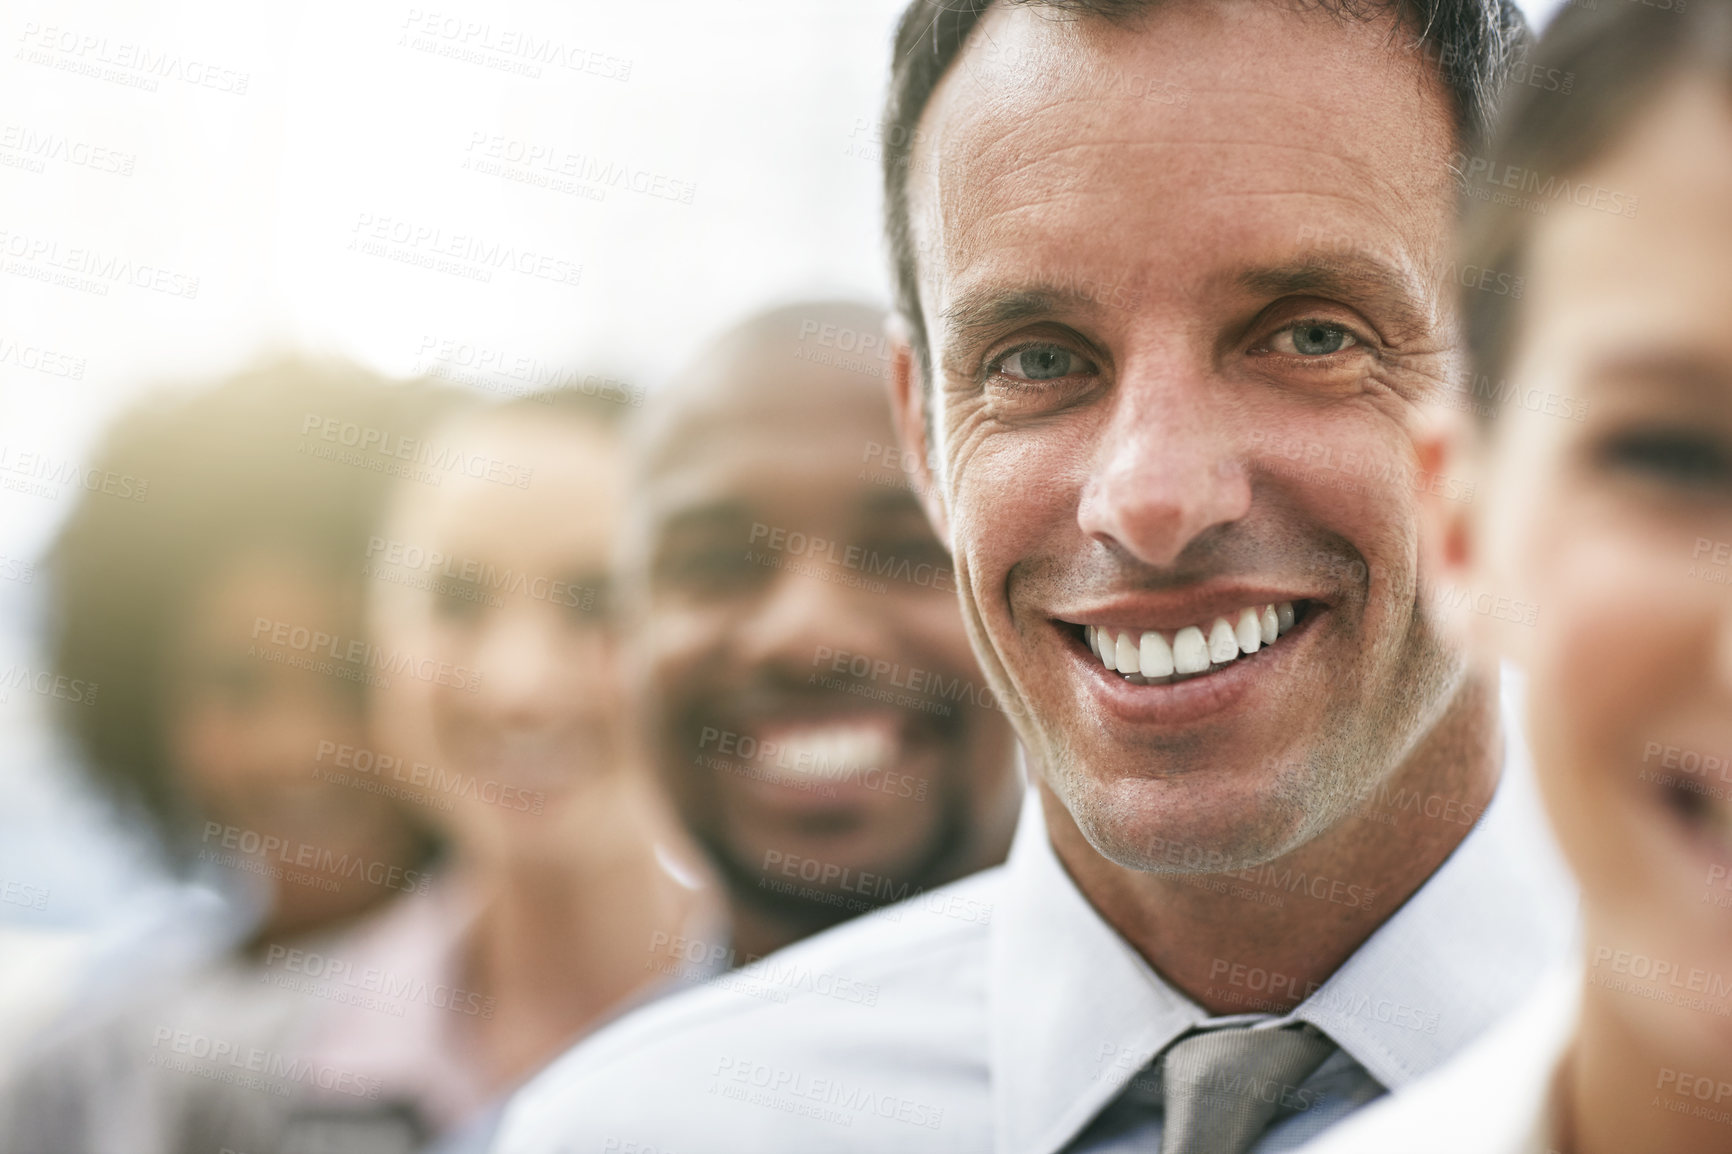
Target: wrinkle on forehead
x,y
1375,123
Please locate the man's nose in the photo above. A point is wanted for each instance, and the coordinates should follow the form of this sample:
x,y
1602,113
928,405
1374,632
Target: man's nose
x,y
802,615
1167,469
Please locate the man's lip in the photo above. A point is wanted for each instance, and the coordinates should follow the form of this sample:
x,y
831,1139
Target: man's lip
x,y
1196,698
1172,611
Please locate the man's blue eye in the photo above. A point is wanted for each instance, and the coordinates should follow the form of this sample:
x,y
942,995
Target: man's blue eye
x,y
1318,340
1045,363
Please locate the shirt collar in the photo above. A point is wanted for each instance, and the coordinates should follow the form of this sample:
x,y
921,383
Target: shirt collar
x,y
1077,1012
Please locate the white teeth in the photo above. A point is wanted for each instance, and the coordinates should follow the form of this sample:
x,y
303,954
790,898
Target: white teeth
x,y
832,749
1156,655
1190,651
1149,655
1249,631
1223,642
1129,660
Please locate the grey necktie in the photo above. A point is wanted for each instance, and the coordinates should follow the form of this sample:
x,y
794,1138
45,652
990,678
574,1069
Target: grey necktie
x,y
1222,1087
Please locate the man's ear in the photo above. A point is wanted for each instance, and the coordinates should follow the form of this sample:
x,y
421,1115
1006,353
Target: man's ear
x,y
1448,543
908,401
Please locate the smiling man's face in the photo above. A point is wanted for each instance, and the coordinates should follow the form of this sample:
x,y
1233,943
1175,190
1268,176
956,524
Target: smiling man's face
x,y
809,691
1183,281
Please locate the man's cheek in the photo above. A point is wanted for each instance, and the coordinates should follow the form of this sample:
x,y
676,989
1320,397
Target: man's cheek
x,y
670,652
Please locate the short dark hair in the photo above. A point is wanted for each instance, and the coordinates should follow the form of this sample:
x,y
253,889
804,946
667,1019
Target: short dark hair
x,y
215,471
1473,43
1621,57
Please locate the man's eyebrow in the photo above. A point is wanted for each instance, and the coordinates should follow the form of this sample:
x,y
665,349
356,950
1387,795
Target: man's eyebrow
x,y
689,518
973,313
1351,279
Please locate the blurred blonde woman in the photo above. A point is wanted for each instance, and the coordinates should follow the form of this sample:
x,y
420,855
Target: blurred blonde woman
x,y
564,866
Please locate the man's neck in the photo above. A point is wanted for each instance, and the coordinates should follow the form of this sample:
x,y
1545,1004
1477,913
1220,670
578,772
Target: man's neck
x,y
1263,939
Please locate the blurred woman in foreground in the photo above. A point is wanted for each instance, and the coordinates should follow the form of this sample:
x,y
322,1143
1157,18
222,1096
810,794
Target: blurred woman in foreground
x,y
1602,449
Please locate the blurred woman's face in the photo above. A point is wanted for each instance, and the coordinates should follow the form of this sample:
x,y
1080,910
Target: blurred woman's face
x,y
1618,526
500,579
253,720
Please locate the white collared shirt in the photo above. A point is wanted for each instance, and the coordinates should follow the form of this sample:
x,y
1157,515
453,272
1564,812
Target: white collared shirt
x,y
1509,1077
1002,1013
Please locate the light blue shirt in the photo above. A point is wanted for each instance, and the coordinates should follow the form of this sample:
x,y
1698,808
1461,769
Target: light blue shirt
x,y
1002,1013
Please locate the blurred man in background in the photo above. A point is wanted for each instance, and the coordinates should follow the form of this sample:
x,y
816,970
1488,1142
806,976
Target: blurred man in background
x,y
791,630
